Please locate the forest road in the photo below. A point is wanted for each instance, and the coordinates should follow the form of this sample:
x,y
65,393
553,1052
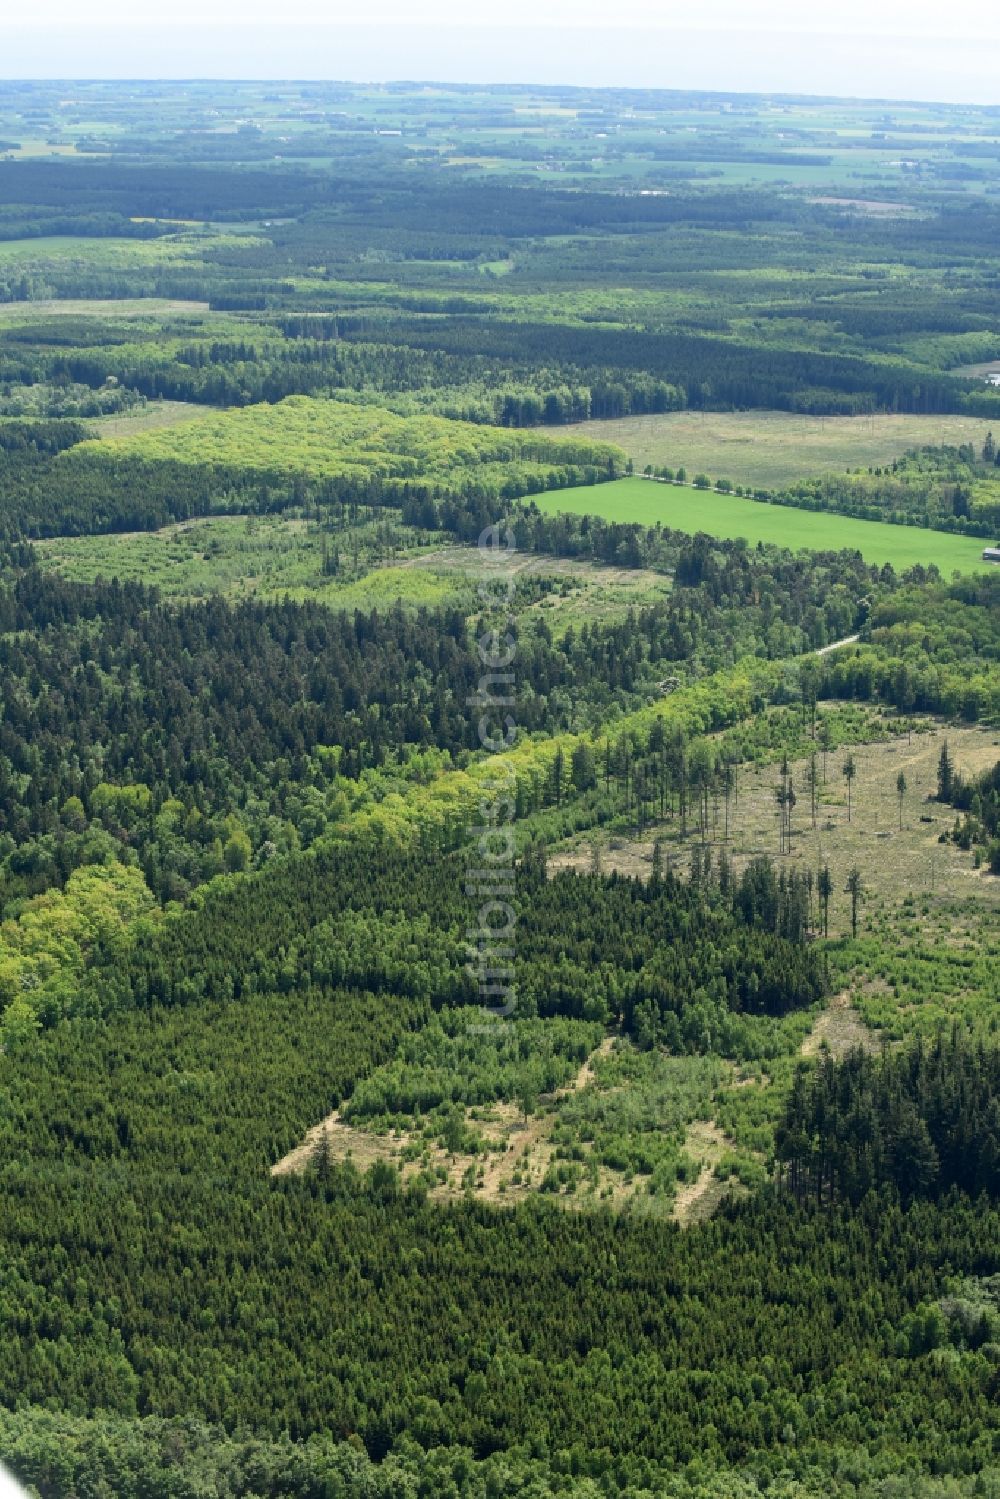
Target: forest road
x,y
825,650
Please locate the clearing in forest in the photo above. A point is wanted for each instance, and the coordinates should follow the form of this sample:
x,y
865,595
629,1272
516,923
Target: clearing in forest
x,y
895,862
145,418
839,1029
730,516
630,1130
117,307
379,562
774,448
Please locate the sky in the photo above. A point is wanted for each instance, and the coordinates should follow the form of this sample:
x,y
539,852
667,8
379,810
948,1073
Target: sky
x,y
898,49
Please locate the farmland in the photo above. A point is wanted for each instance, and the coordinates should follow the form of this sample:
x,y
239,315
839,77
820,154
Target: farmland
x,y
771,449
687,509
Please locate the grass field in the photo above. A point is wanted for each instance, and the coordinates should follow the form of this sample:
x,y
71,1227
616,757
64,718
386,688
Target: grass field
x,y
145,418
727,517
774,448
29,312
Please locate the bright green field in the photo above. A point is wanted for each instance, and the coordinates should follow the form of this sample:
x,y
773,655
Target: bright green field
x,y
728,517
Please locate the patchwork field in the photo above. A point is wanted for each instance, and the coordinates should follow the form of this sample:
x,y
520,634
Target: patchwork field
x,y
775,448
727,516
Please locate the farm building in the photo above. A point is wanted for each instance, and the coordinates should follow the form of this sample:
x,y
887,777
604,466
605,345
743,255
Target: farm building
x,y
991,554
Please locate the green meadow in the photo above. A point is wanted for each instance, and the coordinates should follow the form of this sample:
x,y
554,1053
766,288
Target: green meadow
x,y
777,448
728,516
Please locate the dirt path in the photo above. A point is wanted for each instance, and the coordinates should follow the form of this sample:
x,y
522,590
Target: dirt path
x,y
536,1130
705,1139
367,1148
299,1158
426,559
835,645
841,1027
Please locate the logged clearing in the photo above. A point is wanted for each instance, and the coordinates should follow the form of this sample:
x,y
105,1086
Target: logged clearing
x,y
879,208
576,591
774,448
282,556
707,1144
146,418
978,371
516,1137
522,1156
894,861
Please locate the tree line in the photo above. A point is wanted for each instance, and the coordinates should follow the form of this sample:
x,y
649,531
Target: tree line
x,y
922,1121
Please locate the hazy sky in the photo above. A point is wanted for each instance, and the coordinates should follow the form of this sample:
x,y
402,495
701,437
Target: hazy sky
x,y
892,48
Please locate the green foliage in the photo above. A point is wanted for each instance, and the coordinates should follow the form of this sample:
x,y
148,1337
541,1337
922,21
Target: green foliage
x,y
923,966
932,649
339,440
267,556
383,321
979,799
923,1121
469,1059
633,1118
951,489
46,948
144,1141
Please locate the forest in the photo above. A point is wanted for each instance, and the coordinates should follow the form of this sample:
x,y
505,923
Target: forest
x,y
495,998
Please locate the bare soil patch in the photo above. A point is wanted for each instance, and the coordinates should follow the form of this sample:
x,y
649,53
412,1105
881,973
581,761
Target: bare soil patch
x,y
522,1142
520,1161
839,1029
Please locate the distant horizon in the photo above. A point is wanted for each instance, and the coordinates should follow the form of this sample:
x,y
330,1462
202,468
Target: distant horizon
x,y
918,69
